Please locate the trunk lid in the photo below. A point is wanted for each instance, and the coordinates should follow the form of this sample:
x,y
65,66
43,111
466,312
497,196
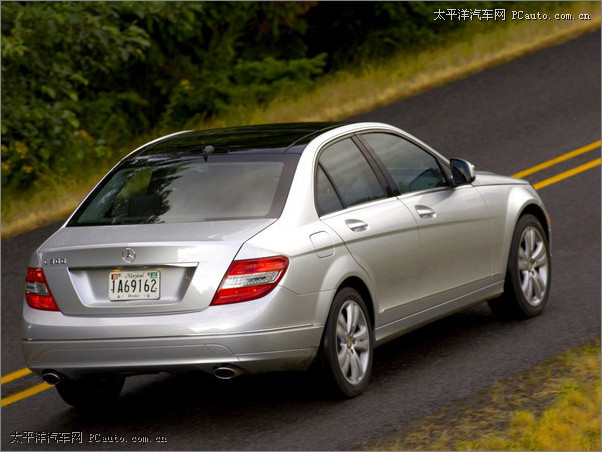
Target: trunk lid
x,y
183,264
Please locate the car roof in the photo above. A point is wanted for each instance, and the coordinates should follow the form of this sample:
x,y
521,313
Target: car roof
x,y
265,138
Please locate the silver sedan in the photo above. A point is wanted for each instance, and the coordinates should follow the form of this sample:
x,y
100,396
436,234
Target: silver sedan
x,y
275,247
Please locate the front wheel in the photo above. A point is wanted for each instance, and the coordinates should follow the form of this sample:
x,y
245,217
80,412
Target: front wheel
x,y
528,275
346,351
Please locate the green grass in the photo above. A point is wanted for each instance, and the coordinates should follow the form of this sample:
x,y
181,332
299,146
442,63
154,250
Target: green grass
x,y
334,97
555,406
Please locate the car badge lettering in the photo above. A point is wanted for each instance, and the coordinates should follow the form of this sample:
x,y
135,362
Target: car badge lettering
x,y
128,255
55,261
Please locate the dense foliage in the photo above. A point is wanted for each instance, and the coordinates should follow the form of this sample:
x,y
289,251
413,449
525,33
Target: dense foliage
x,y
82,78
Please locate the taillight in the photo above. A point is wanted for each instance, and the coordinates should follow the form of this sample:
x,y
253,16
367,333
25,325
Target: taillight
x,y
250,279
37,292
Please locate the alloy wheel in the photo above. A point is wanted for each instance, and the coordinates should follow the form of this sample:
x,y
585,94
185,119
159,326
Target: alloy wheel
x,y
533,266
353,342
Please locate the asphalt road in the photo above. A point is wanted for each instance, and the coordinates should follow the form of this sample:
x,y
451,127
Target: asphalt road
x,y
505,119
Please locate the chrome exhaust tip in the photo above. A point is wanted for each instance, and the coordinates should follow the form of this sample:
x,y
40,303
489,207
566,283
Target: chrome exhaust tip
x,y
52,378
227,372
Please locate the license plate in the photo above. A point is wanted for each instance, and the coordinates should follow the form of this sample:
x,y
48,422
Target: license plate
x,y
134,285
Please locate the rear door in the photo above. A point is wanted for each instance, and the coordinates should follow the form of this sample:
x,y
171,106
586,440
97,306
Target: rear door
x,y
454,224
380,232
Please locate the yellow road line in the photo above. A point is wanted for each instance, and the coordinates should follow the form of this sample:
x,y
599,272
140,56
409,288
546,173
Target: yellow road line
x,y
562,158
567,174
13,376
24,394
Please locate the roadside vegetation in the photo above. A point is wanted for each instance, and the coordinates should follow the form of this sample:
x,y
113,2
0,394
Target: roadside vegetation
x,y
554,406
85,83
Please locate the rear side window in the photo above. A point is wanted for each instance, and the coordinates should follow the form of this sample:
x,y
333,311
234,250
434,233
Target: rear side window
x,y
326,197
222,188
411,167
344,174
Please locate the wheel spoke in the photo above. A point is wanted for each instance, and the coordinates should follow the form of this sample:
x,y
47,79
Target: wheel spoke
x,y
530,288
343,357
353,313
529,242
362,339
341,351
341,328
527,286
539,286
524,279
357,371
540,257
541,262
362,334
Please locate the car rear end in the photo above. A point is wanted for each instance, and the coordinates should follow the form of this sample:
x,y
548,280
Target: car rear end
x,y
144,277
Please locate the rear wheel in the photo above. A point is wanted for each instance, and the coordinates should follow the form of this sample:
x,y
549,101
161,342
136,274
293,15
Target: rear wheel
x,y
528,275
346,351
91,391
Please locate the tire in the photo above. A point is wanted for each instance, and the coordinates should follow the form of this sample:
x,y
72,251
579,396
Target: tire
x,y
528,276
95,391
347,347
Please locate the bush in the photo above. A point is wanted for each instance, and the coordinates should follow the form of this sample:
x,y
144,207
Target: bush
x,y
55,57
80,78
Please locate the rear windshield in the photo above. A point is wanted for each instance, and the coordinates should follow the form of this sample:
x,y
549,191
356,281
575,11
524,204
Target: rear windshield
x,y
200,189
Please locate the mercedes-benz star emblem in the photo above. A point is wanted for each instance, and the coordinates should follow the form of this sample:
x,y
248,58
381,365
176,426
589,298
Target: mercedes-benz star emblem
x,y
128,255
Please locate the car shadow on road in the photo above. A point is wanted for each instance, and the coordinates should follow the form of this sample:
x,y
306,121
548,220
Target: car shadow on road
x,y
196,405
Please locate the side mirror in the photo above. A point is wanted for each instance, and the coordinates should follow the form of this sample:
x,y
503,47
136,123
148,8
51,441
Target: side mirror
x,y
463,172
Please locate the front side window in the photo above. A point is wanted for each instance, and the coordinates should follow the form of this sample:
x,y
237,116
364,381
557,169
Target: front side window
x,y
345,173
411,167
221,188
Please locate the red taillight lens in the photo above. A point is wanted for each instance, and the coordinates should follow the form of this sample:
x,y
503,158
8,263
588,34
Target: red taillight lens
x,y
250,279
37,292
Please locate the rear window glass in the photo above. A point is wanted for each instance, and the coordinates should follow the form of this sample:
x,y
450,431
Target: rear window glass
x,y
221,188
351,174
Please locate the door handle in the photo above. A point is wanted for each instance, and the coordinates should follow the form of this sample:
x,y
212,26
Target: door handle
x,y
356,225
426,212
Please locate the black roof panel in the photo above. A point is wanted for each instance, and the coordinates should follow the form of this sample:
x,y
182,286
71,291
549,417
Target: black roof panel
x,y
265,138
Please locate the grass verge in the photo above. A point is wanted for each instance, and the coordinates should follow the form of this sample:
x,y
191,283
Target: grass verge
x,y
477,47
554,406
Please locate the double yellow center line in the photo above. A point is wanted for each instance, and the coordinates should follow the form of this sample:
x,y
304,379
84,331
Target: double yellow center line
x,y
552,180
23,394
560,159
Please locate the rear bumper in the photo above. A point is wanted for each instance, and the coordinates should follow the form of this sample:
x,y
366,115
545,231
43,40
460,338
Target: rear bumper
x,y
281,331
290,349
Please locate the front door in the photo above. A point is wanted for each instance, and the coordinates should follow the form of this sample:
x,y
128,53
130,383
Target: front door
x,y
453,223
